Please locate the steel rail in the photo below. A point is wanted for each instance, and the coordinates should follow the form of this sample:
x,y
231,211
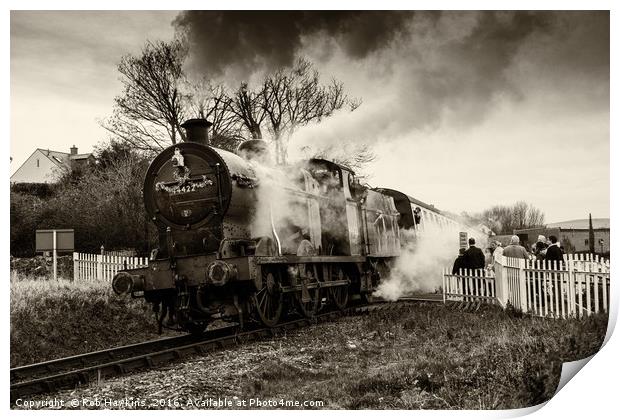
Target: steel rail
x,y
79,361
67,373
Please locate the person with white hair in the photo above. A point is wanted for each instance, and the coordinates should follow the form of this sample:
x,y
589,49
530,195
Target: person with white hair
x,y
540,247
515,250
499,250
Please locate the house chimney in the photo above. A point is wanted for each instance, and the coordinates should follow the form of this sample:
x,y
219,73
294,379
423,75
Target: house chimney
x,y
196,130
73,150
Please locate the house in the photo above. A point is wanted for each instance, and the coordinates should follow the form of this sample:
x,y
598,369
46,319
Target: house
x,y
47,166
574,235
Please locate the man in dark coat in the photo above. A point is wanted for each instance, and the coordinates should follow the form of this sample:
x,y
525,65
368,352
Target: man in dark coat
x,y
474,257
554,253
460,262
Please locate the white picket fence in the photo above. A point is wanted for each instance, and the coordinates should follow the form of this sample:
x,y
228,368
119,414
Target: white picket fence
x,y
103,267
470,286
576,287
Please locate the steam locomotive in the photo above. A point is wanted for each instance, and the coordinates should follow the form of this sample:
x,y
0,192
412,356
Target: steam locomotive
x,y
242,241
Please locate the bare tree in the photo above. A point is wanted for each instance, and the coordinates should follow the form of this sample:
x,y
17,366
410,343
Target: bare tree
x,y
214,104
150,110
295,97
535,217
157,97
519,214
246,104
353,156
505,219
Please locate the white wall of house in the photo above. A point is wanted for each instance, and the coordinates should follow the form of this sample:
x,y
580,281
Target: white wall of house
x,y
37,168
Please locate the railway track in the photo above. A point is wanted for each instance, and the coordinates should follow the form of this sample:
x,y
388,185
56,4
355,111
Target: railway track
x,y
69,372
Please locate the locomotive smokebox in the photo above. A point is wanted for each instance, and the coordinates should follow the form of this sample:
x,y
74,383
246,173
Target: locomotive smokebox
x,y
197,130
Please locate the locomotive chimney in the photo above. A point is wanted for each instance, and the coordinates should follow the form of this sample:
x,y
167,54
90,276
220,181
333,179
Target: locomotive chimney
x,y
196,130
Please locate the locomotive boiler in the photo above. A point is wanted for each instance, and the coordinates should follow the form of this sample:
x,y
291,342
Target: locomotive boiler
x,y
240,240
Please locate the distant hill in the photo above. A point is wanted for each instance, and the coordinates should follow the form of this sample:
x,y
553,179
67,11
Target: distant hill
x,y
580,224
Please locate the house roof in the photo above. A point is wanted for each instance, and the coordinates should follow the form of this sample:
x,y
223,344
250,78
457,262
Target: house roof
x,y
80,156
60,159
602,223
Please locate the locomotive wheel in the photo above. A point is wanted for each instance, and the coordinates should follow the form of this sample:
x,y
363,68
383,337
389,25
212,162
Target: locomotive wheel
x,y
309,308
268,301
339,295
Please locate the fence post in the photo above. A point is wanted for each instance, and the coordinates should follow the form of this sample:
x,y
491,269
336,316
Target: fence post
x,y
443,279
99,266
572,281
75,266
522,286
500,281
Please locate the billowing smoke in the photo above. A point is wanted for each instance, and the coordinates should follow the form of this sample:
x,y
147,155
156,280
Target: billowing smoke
x,y
451,66
442,92
415,72
244,42
423,257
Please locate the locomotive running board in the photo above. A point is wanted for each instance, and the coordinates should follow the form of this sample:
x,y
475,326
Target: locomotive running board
x,y
293,259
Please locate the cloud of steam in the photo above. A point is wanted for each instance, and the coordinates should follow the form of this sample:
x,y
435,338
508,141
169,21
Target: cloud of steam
x,y
414,71
475,84
244,42
455,68
423,257
282,213
452,67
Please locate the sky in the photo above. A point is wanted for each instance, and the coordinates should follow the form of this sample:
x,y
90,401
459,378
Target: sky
x,y
63,73
464,110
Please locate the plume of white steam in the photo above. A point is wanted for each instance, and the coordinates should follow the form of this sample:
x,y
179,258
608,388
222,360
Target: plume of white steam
x,y
280,211
272,201
422,259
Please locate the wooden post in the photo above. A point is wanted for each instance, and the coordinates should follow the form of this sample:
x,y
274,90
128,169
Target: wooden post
x,y
75,265
54,256
99,266
443,279
605,278
572,284
522,286
588,304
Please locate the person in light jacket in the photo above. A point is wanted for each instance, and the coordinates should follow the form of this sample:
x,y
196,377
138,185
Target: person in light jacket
x,y
514,250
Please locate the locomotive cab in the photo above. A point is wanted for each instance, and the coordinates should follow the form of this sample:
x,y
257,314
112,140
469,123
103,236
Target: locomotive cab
x,y
340,218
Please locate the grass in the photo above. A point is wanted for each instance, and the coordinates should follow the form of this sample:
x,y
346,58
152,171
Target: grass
x,y
430,357
426,356
57,319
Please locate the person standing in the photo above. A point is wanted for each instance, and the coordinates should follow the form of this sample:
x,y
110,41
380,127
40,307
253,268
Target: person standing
x,y
540,248
514,250
554,253
499,250
460,262
474,256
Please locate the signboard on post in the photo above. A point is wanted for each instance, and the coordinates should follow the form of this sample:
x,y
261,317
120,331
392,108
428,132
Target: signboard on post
x,y
54,240
463,240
